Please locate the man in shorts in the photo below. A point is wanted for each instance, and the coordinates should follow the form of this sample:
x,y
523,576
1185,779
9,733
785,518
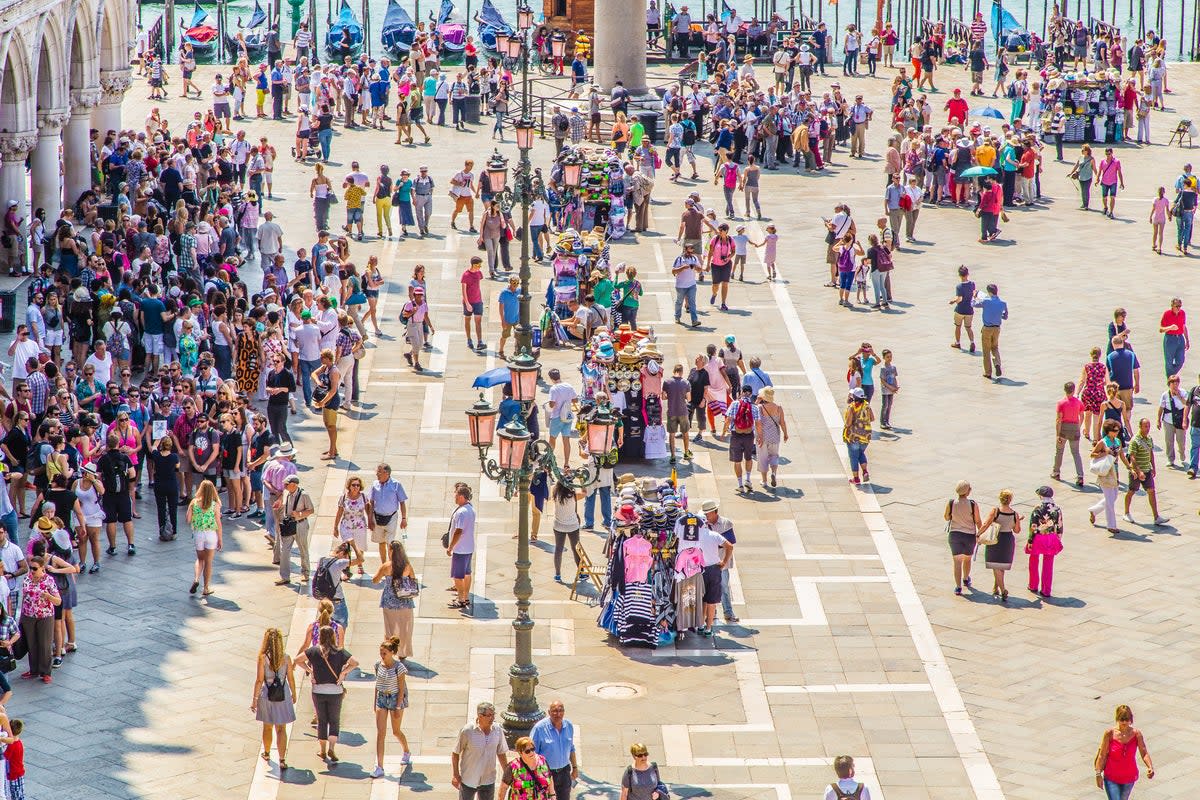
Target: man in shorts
x,y
559,413
389,502
741,439
116,471
472,302
716,551
1141,472
464,190
461,547
677,391
509,303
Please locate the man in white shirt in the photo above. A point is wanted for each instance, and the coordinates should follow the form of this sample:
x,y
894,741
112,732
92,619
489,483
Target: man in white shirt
x,y
558,411
100,360
687,271
462,547
715,552
12,567
860,117
22,349
539,218
356,176
308,351
846,787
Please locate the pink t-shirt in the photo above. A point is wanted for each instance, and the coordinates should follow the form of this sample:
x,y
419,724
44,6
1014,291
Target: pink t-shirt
x,y
637,559
472,279
1158,212
1070,409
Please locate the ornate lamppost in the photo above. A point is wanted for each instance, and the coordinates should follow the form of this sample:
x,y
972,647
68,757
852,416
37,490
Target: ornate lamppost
x,y
517,459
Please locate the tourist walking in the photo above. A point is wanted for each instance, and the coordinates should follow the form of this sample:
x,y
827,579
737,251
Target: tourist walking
x,y
352,521
398,597
856,433
273,699
293,511
1068,417
566,523
391,698
527,776
1142,472
1176,341
554,740
1172,409
770,432
1107,454
327,664
480,749
1001,544
204,515
1116,758
1044,542
994,312
39,599
963,525
1091,393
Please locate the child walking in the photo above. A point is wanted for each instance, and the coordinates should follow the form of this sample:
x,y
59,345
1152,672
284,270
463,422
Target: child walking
x,y
770,245
890,384
391,698
14,759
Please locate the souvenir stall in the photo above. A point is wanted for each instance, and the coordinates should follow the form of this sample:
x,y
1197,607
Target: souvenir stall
x,y
1090,102
575,257
627,365
599,203
654,589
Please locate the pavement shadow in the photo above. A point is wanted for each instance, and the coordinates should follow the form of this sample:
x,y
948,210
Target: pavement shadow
x,y
298,777
1130,536
1061,602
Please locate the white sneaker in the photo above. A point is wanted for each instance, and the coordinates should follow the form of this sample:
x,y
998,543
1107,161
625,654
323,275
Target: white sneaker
x,y
377,772
1161,520
406,758
1129,518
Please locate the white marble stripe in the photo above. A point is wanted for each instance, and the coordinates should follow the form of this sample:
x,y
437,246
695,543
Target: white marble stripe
x,y
982,775
851,688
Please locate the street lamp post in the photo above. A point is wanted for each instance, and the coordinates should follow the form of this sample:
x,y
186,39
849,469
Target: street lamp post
x,y
518,457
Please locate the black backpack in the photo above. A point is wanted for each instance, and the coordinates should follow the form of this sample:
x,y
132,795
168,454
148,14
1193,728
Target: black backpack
x,y
560,122
689,133
323,586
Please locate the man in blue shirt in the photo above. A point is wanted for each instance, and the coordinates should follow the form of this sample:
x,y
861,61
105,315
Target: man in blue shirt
x,y
756,379
509,300
153,312
277,86
554,739
995,311
1125,369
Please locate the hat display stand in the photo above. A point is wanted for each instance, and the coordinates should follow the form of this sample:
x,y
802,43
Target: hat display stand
x,y
1091,102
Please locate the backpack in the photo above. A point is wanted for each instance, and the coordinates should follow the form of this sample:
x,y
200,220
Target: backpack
x,y
560,123
275,691
34,463
689,133
842,795
117,341
883,259
323,587
743,418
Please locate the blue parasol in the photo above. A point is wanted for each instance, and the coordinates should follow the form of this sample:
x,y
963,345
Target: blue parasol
x,y
493,377
988,111
977,172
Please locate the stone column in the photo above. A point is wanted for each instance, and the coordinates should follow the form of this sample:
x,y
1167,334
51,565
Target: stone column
x,y
77,149
113,85
620,45
14,150
46,170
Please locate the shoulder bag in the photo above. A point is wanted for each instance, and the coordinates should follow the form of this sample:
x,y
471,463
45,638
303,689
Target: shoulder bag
x,y
991,534
287,525
661,788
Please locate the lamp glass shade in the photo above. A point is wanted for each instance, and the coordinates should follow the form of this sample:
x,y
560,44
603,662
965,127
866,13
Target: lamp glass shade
x,y
599,435
524,17
502,43
572,172
514,439
524,129
513,47
558,47
497,172
523,371
481,423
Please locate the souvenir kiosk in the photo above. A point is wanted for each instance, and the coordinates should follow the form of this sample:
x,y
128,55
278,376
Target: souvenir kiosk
x,y
1090,101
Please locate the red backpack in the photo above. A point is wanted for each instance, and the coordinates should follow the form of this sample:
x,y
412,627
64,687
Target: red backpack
x,y
743,418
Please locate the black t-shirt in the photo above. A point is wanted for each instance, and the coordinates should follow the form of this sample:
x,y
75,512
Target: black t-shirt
x,y
166,475
326,668
64,504
325,121
977,58
17,443
280,380
259,444
203,443
231,443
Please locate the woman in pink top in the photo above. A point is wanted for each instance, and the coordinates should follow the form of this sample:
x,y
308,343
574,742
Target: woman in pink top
x,y
1160,213
1116,762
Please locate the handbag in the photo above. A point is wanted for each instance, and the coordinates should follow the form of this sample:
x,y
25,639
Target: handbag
x,y
446,535
990,534
287,525
1102,465
356,299
661,788
333,199
409,588
8,661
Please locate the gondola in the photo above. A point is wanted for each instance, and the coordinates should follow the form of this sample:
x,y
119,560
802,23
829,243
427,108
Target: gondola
x,y
200,34
451,35
346,21
398,30
254,33
489,24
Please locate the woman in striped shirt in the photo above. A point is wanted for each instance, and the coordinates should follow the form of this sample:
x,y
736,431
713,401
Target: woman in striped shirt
x,y
391,698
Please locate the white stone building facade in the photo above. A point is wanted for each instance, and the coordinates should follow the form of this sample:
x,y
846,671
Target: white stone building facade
x,y
64,69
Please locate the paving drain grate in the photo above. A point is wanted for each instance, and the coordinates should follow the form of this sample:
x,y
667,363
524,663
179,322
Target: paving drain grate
x,y
616,691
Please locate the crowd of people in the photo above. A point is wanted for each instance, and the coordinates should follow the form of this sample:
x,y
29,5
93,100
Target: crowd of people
x,y
148,363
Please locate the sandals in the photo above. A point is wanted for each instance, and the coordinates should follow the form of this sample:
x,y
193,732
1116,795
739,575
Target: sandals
x,y
264,755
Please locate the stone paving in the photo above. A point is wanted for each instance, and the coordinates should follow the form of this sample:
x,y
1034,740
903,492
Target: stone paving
x,y
850,640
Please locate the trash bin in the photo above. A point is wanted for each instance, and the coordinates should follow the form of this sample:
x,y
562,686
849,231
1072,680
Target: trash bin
x,y
8,311
472,108
649,120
